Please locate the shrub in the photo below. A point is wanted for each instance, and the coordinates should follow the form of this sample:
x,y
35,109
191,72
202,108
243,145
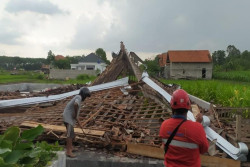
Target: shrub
x,y
40,76
82,77
18,150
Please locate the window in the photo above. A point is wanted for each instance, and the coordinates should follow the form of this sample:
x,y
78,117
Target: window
x,y
90,67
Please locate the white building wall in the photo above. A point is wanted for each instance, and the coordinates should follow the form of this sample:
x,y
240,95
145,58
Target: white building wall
x,y
73,66
83,66
190,70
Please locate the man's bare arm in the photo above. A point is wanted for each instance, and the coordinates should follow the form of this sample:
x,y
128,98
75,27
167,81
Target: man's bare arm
x,y
199,118
75,114
76,110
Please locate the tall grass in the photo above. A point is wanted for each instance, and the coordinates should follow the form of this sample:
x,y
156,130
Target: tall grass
x,y
225,93
243,76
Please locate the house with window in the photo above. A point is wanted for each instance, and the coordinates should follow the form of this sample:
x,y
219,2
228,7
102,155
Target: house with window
x,y
186,64
90,62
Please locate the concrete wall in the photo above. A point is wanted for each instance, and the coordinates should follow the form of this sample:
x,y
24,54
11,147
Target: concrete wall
x,y
62,74
167,72
190,70
60,160
101,159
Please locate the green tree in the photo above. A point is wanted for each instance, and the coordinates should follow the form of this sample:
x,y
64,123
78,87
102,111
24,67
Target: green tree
x,y
74,59
219,57
101,53
152,65
245,55
233,52
62,64
245,60
8,63
50,57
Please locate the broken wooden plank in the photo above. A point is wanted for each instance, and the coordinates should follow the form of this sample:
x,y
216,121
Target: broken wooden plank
x,y
238,128
56,128
215,115
195,109
92,116
156,152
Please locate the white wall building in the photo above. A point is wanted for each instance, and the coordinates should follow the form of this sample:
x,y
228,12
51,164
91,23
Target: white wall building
x,y
186,64
90,62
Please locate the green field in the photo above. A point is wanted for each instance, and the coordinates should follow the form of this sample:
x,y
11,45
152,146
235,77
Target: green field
x,y
34,77
243,76
225,93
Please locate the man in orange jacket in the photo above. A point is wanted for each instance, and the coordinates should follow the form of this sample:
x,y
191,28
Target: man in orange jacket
x,y
189,140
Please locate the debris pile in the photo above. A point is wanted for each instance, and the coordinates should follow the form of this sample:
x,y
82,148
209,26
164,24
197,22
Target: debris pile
x,y
122,118
112,119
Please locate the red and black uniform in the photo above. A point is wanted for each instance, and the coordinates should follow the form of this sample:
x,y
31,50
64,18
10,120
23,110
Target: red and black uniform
x,y
189,142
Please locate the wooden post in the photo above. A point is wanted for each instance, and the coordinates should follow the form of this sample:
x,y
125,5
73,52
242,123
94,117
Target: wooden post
x,y
238,128
156,152
215,115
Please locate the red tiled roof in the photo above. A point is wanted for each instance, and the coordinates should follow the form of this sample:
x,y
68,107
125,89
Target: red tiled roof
x,y
185,56
59,57
190,56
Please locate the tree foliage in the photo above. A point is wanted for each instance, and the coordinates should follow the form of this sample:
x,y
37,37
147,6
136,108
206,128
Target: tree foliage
x,y
101,53
62,64
9,63
233,52
219,57
152,66
234,60
74,59
50,57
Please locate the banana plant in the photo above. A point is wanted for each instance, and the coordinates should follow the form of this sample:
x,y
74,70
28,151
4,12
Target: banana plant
x,y
18,150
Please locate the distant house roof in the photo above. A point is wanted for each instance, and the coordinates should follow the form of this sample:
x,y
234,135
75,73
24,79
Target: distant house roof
x,y
59,57
185,56
91,58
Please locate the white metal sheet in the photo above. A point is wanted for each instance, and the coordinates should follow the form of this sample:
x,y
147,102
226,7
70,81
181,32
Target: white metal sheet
x,y
44,99
235,153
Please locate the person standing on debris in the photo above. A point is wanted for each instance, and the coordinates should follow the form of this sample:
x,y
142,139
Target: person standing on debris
x,y
71,115
183,140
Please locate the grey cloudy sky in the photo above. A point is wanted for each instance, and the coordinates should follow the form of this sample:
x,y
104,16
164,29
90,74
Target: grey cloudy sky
x,y
30,28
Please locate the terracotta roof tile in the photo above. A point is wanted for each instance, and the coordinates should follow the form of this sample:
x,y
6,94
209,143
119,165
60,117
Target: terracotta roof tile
x,y
185,56
59,57
190,56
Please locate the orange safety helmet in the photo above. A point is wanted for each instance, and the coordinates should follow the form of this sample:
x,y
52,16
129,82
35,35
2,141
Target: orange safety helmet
x,y
180,99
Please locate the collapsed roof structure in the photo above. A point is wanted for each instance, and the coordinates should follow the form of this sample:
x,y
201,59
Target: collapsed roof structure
x,y
123,115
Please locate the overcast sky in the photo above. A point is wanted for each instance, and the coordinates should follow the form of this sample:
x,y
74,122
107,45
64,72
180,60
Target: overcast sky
x,y
30,28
